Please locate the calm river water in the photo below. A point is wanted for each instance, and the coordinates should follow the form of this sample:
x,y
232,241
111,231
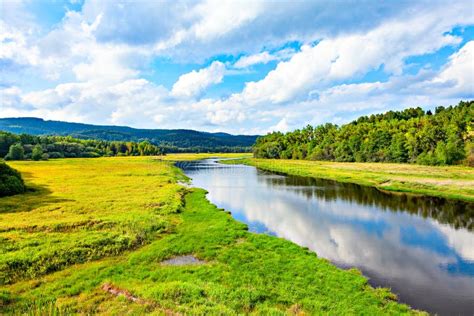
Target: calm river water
x,y
422,248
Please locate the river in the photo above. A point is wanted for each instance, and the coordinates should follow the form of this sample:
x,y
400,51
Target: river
x,y
420,247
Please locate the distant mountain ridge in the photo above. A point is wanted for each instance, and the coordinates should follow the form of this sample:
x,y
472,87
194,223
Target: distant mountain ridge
x,y
178,139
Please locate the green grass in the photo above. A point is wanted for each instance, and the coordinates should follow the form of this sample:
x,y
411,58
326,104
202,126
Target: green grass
x,y
453,182
113,220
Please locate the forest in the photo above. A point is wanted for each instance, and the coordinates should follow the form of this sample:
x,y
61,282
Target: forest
x,y
413,135
24,146
172,141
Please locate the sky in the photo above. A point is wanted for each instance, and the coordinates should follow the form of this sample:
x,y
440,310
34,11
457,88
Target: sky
x,y
243,67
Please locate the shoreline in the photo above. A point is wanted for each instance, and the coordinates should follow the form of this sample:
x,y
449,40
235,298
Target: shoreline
x,y
454,183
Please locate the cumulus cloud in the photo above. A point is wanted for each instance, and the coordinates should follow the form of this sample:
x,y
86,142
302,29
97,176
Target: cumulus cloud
x,y
263,58
195,82
98,62
199,29
331,60
217,18
247,61
460,71
14,46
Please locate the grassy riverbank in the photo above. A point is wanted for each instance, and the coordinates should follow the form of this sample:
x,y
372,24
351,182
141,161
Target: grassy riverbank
x,y
455,182
91,234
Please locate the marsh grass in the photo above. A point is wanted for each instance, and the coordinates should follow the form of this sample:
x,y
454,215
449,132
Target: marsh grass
x,y
117,219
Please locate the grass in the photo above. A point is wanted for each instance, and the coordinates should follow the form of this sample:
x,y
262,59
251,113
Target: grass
x,y
453,182
83,210
91,222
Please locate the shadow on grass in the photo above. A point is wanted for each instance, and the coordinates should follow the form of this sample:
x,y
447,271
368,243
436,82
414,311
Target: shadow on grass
x,y
35,196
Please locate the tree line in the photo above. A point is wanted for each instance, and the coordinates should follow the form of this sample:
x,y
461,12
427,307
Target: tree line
x,y
409,136
24,146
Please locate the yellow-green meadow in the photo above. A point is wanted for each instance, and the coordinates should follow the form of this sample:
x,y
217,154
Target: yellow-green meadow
x,y
91,236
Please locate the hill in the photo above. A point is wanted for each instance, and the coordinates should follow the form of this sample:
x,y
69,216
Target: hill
x,y
173,140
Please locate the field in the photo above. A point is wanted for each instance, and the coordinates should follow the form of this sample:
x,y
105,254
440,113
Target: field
x,y
91,236
455,182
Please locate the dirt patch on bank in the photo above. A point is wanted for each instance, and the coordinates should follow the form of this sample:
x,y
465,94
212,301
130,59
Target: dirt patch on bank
x,y
182,261
119,292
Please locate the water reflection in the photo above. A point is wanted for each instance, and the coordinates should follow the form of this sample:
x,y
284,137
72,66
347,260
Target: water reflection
x,y
457,213
423,248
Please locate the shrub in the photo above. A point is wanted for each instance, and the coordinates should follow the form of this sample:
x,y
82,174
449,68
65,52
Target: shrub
x,y
16,152
426,159
10,181
37,153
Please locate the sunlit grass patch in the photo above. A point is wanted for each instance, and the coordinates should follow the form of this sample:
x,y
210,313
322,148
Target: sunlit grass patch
x,y
82,210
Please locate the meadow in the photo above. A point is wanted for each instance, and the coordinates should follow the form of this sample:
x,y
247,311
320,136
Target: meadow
x,y
92,235
453,182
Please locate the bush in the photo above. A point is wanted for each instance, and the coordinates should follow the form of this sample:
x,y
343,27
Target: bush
x,y
10,181
16,152
37,153
427,159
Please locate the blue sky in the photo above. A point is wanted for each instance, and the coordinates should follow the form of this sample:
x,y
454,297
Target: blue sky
x,y
246,67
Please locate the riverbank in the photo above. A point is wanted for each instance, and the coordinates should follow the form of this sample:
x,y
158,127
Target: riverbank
x,y
453,182
200,156
92,236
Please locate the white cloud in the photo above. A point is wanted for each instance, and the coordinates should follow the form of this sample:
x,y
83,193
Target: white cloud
x,y
14,46
195,82
217,18
95,62
261,58
201,29
282,126
460,71
106,62
332,60
10,97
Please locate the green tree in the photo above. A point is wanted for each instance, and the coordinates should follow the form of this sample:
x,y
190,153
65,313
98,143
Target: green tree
x,y
16,152
441,153
37,153
455,150
398,150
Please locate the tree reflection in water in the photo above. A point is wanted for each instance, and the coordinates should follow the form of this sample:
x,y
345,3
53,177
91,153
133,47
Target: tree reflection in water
x,y
459,214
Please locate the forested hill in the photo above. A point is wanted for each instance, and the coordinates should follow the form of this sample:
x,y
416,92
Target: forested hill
x,y
441,138
171,140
